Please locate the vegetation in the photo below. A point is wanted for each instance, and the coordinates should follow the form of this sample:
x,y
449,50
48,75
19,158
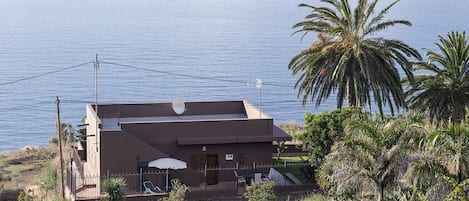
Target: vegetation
x,y
294,166
292,128
47,180
68,134
396,158
323,129
25,197
346,60
178,193
261,191
443,91
18,166
281,147
356,156
114,188
365,164
316,197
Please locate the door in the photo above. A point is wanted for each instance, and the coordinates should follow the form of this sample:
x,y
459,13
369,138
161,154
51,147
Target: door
x,y
212,163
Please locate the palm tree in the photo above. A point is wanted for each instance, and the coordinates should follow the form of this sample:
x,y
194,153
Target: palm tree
x,y
347,60
452,146
442,168
443,91
366,164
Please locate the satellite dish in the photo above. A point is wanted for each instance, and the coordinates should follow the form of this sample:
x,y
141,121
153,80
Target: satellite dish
x,y
178,106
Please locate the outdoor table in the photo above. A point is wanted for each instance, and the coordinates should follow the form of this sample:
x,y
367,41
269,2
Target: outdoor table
x,y
248,174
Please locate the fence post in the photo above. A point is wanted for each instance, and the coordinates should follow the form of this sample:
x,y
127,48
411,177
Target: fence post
x,y
254,165
285,164
74,190
71,180
205,173
140,182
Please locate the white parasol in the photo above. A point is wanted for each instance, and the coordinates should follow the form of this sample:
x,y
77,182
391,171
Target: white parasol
x,y
168,163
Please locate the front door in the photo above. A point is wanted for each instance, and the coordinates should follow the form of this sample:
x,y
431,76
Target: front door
x,y
212,163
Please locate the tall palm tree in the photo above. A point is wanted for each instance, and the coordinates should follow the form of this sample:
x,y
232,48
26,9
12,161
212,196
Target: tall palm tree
x,y
347,59
443,91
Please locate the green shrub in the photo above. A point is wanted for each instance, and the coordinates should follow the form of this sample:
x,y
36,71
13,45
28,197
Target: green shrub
x,y
316,197
53,141
114,188
261,191
48,179
177,194
25,197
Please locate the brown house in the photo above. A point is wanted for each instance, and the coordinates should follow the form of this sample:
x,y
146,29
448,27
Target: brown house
x,y
125,137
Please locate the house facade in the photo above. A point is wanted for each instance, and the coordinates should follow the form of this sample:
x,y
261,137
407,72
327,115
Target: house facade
x,y
124,138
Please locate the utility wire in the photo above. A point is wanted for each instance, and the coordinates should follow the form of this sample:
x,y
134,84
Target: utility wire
x,y
44,74
34,105
191,76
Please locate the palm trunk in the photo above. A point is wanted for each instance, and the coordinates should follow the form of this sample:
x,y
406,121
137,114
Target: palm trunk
x,y
381,192
351,96
460,176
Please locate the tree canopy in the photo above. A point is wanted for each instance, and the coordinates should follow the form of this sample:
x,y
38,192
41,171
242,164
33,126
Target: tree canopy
x,y
347,60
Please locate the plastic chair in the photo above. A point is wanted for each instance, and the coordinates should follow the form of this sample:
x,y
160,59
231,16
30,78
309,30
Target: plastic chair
x,y
150,188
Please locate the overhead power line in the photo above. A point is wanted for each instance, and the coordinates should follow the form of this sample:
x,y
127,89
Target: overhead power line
x,y
191,76
44,74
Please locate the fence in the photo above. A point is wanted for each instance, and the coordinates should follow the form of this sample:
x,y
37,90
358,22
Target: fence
x,y
205,182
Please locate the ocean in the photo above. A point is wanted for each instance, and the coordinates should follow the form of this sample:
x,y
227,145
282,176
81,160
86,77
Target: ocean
x,y
195,50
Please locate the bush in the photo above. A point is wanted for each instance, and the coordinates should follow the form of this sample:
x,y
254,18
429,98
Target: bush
x,y
47,181
316,197
53,141
177,194
114,188
308,173
261,191
25,197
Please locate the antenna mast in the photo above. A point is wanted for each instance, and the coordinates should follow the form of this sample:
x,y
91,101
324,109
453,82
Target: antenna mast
x,y
96,67
259,85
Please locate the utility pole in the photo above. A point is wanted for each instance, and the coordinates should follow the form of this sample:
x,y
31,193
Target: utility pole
x,y
59,132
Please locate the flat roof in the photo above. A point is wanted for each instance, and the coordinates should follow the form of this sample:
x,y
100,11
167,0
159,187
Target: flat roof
x,y
183,118
162,112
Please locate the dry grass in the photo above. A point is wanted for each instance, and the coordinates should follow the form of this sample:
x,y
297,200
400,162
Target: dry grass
x,y
19,168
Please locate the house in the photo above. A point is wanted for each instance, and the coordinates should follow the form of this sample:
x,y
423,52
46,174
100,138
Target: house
x,y
123,138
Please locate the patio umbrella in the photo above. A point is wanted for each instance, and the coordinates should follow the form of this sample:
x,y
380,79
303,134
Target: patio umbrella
x,y
168,163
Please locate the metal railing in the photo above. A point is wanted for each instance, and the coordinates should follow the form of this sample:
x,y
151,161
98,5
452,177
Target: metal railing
x,y
84,187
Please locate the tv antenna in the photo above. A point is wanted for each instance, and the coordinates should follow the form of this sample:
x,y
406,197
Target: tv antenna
x,y
259,86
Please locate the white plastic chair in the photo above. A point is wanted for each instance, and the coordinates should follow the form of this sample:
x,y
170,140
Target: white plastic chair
x,y
150,188
258,177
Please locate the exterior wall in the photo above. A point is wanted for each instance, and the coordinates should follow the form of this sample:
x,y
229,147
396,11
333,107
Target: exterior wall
x,y
165,135
92,165
258,153
122,150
